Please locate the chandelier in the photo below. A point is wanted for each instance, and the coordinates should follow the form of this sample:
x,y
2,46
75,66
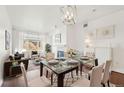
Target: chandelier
x,y
69,14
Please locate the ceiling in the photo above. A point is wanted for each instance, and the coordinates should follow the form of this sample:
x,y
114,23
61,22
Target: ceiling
x,y
92,12
42,18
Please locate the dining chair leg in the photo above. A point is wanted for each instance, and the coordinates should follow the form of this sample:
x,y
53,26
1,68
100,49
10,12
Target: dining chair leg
x,y
47,73
103,84
88,76
72,74
108,83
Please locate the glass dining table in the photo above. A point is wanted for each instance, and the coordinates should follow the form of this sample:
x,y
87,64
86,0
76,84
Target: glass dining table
x,y
63,67
90,61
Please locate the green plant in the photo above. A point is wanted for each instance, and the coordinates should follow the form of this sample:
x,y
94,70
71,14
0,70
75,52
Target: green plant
x,y
48,48
14,62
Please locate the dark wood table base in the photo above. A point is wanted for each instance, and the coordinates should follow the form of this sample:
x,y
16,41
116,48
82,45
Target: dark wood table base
x,y
60,77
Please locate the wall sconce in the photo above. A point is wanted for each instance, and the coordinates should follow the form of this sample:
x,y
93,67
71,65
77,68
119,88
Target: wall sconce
x,y
88,42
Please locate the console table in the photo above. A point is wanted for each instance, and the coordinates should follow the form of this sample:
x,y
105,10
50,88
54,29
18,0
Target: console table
x,y
10,70
117,77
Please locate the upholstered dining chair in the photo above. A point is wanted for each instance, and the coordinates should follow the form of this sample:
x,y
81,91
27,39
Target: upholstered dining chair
x,y
50,56
38,82
95,80
105,74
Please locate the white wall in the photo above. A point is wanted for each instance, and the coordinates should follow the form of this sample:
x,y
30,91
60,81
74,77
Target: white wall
x,y
117,43
59,29
75,37
4,25
15,39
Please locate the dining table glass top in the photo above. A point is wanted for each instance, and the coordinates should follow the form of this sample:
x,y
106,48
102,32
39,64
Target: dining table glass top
x,y
62,66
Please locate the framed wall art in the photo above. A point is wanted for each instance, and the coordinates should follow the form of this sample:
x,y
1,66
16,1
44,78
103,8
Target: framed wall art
x,y
58,38
32,44
105,32
7,40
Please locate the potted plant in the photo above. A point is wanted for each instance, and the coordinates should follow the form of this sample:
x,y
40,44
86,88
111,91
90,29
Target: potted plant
x,y
48,48
14,62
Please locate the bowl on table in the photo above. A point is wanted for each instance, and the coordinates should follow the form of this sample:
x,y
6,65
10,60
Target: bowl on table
x,y
72,61
53,62
84,58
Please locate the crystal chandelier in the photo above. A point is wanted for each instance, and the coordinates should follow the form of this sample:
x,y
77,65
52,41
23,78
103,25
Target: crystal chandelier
x,y
69,14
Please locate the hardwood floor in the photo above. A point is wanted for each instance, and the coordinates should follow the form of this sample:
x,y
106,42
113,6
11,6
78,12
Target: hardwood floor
x,y
19,80
34,72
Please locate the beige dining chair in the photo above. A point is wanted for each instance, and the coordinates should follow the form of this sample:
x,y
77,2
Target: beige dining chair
x,y
95,80
50,56
38,82
105,74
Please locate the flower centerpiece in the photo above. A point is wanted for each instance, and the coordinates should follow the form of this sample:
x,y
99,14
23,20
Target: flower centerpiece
x,y
71,53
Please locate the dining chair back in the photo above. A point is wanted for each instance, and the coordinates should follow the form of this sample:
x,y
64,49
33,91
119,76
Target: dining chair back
x,y
36,82
24,73
50,56
95,80
96,76
106,73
